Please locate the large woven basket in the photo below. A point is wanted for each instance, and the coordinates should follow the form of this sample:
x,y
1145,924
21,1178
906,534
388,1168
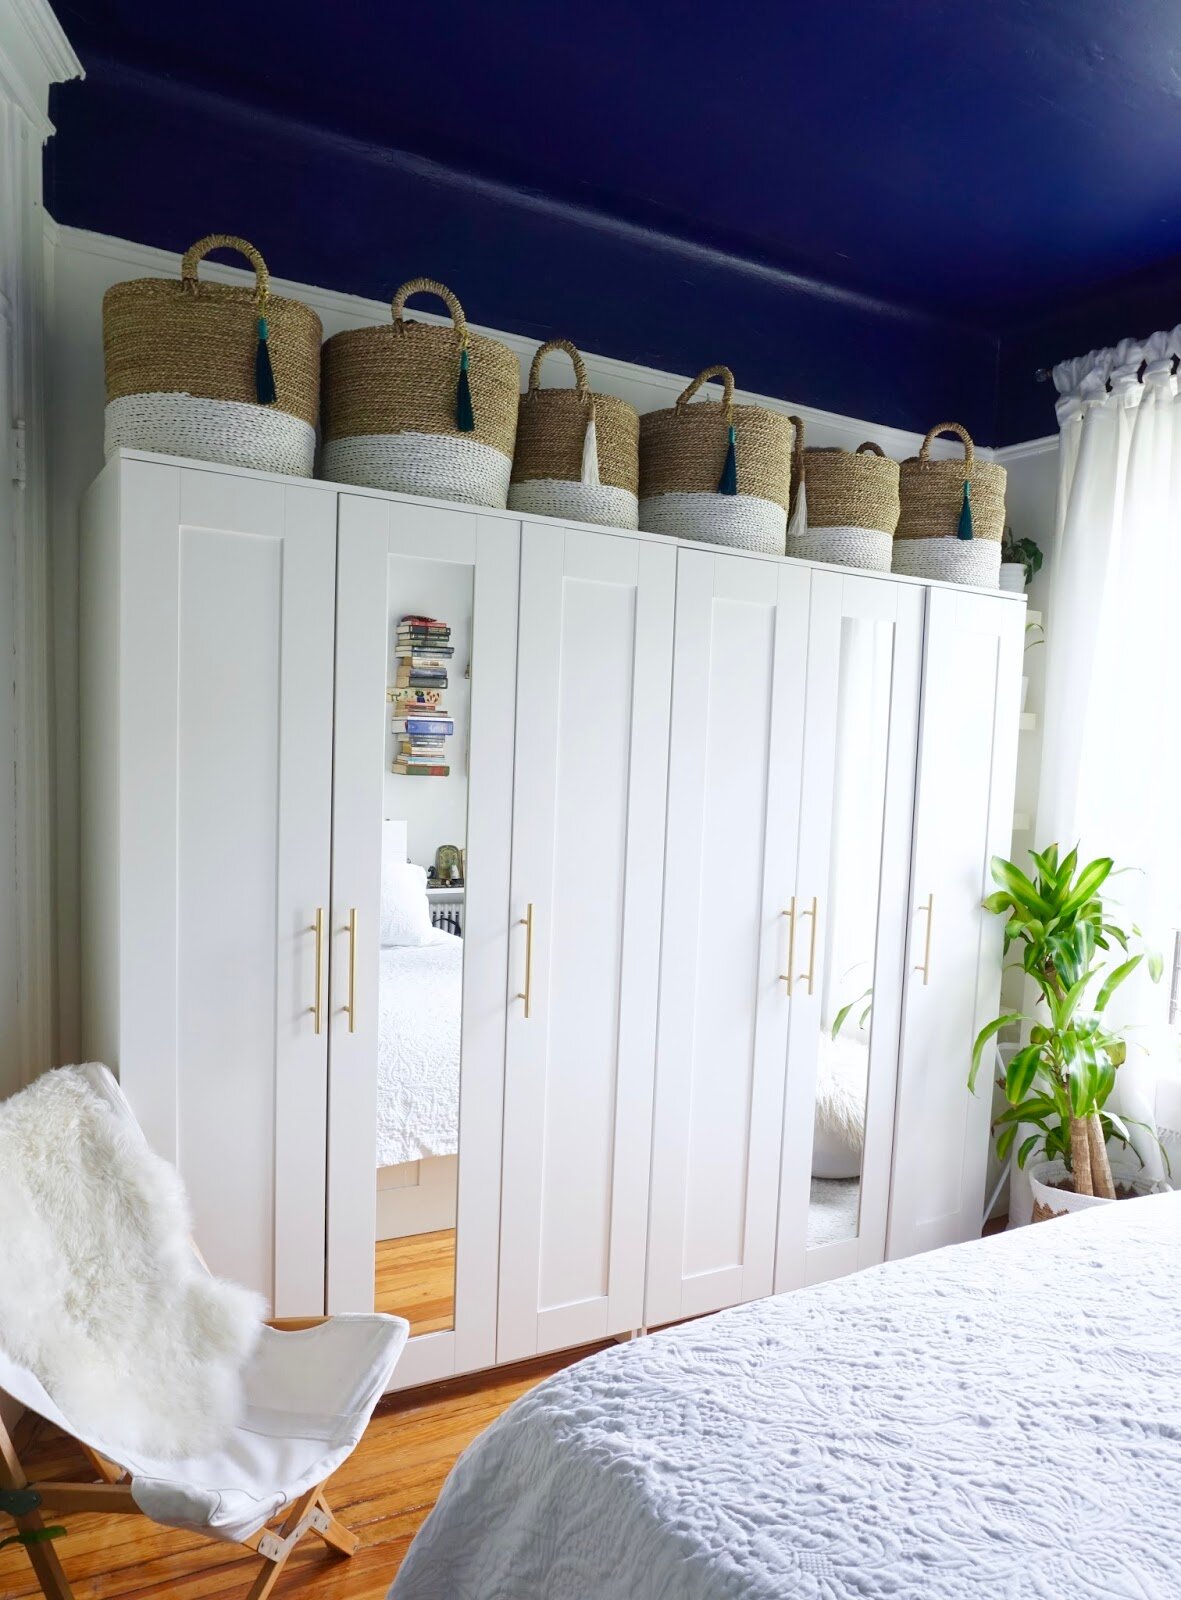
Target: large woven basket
x,y
846,506
419,408
217,371
577,453
716,471
952,515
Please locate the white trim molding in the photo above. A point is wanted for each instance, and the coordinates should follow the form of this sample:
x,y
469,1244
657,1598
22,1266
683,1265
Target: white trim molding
x,y
34,53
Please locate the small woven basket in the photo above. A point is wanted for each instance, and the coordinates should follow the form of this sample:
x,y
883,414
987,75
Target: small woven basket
x,y
716,471
421,409
217,371
952,515
851,501
577,453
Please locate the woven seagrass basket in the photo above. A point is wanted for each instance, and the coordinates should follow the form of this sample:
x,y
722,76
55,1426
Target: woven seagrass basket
x,y
217,371
952,515
846,506
716,471
577,453
419,408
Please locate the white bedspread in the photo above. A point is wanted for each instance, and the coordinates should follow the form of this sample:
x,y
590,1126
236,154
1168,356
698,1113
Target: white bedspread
x,y
418,1050
998,1420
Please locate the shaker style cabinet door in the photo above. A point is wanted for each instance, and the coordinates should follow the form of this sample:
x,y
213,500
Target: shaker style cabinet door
x,y
589,776
417,1013
849,918
963,816
730,868
208,636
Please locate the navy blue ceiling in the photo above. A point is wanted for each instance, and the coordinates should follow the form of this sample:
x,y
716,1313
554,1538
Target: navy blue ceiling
x,y
869,206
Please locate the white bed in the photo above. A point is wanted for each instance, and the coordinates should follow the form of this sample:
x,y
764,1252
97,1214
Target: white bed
x,y
1000,1419
421,990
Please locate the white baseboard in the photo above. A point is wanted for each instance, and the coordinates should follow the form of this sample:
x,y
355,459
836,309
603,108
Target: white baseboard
x,y
417,1197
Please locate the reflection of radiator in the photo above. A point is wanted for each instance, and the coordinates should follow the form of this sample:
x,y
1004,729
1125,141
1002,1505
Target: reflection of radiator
x,y
446,910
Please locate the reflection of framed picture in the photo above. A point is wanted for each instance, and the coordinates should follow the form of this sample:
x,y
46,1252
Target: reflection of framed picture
x,y
449,864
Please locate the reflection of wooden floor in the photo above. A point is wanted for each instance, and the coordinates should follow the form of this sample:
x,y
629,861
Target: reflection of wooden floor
x,y
415,1278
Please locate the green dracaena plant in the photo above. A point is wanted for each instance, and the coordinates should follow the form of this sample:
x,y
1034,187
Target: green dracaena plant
x,y
1060,1082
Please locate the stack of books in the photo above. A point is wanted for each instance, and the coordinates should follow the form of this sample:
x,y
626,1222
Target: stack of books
x,y
423,651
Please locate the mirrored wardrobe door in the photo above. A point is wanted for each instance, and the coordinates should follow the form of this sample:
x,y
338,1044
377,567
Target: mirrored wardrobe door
x,y
848,924
422,813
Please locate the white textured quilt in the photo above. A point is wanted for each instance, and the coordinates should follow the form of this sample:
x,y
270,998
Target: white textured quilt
x,y
418,1050
1000,1419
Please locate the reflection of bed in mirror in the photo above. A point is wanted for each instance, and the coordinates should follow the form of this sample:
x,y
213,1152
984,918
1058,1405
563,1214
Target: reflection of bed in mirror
x,y
420,978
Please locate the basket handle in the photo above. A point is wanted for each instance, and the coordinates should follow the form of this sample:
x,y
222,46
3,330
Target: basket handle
x,y
727,378
874,449
960,433
430,286
580,380
225,241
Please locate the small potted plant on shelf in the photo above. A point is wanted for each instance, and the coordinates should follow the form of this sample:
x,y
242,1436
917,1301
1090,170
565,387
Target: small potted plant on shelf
x,y
1059,1083
1020,560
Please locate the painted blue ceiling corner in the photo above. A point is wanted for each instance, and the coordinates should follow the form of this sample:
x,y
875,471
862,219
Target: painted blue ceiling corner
x,y
866,207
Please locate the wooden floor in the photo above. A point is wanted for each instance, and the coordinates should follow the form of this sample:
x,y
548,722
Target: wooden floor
x,y
382,1493
414,1277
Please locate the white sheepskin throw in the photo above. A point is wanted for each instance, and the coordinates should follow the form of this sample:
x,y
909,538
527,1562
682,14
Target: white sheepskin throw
x,y
841,1074
101,1295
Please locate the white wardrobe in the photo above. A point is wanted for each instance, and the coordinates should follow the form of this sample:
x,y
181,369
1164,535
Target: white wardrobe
x,y
728,827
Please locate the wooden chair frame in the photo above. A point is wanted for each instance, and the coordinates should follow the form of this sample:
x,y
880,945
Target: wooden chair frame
x,y
309,1512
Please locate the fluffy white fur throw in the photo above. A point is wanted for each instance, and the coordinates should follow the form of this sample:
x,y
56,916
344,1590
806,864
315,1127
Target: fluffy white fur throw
x,y
101,1296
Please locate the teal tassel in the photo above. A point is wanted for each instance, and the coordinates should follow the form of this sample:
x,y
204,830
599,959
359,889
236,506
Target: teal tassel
x,y
264,373
728,482
965,530
465,417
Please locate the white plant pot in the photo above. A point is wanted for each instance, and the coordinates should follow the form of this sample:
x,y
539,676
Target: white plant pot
x,y
1013,576
1055,1202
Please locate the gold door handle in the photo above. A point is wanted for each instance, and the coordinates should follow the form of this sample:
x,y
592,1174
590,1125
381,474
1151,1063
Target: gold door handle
x,y
526,922
790,914
810,975
350,928
925,966
317,1010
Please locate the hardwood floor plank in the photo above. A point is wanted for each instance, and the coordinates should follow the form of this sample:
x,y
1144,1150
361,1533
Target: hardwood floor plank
x,y
383,1493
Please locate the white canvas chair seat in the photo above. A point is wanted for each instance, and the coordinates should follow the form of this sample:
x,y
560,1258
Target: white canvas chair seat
x,y
307,1395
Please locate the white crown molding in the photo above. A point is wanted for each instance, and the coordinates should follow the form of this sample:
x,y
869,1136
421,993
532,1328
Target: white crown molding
x,y
610,374
34,52
1031,447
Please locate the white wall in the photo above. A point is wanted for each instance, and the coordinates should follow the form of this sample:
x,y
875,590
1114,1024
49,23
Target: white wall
x,y
84,266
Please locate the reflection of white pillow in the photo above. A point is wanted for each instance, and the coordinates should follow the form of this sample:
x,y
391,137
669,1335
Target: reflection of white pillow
x,y
841,1074
405,909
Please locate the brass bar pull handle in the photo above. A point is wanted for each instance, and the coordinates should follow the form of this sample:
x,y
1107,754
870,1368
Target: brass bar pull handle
x,y
790,914
810,975
526,922
350,928
317,1010
925,966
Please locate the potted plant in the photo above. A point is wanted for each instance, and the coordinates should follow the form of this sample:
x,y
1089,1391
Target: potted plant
x,y
1020,560
1060,1081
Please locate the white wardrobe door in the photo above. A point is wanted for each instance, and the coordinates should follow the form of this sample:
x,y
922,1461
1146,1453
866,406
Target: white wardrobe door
x,y
226,719
588,830
851,896
734,787
963,816
379,541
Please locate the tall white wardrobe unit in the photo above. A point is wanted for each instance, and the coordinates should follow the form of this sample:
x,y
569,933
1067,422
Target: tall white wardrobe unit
x,y
728,826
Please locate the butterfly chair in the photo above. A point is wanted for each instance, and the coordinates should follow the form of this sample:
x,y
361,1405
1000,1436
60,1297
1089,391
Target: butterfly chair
x,y
306,1396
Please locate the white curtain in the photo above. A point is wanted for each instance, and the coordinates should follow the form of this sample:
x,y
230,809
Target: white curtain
x,y
1111,758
